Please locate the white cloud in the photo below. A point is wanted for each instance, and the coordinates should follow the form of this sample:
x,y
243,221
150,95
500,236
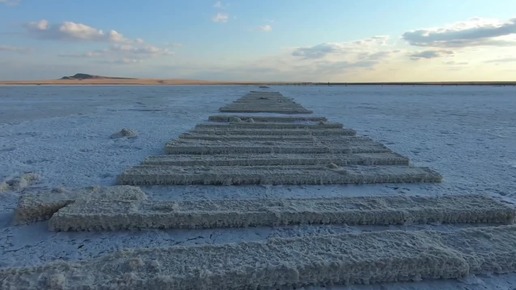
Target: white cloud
x,y
69,30
501,60
265,28
218,5
123,53
456,63
429,54
74,30
335,48
318,51
475,32
115,36
121,49
41,25
329,61
123,61
220,18
140,48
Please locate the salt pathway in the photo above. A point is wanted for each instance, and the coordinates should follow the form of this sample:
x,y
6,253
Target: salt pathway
x,y
265,138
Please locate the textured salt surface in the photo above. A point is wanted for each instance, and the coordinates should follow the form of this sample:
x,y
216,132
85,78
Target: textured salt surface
x,y
269,102
384,158
282,132
269,125
387,256
42,205
237,135
244,118
452,129
306,137
19,183
276,175
329,142
125,133
273,147
116,214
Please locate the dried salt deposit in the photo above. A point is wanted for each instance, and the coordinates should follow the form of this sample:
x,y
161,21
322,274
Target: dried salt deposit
x,y
323,159
282,132
387,256
265,102
42,205
264,147
259,149
274,119
19,183
275,175
125,133
117,214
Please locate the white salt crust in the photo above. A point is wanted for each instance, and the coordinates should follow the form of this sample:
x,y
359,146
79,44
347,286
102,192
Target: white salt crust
x,y
366,258
282,132
276,175
306,137
270,125
19,183
265,102
42,205
384,158
247,118
102,215
125,133
260,149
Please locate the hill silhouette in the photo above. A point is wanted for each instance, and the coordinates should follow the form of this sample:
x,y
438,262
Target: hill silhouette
x,y
83,76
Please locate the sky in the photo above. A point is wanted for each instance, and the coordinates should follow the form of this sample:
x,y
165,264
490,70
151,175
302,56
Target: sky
x,y
268,40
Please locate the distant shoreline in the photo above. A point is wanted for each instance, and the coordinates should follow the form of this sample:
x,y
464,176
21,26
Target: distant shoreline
x,y
179,82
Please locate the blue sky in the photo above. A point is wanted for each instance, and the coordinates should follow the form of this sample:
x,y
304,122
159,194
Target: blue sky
x,y
289,40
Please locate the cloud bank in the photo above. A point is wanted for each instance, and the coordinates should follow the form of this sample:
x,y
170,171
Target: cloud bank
x,y
474,32
220,18
69,30
121,49
340,48
123,53
429,54
265,28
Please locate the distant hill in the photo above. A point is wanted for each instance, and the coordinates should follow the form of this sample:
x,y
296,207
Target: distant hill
x,y
83,76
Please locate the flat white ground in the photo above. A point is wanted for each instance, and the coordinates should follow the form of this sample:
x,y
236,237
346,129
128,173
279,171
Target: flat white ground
x,y
468,134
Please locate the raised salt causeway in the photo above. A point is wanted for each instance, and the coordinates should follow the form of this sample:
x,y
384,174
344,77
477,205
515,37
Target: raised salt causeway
x,y
266,138
277,263
364,258
265,102
133,214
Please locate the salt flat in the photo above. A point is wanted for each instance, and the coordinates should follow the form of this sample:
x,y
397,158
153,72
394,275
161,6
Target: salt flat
x,y
63,134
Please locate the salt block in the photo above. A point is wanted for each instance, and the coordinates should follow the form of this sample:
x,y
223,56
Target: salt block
x,y
270,125
306,137
125,133
275,175
94,215
364,258
384,158
258,147
20,182
41,206
274,119
282,132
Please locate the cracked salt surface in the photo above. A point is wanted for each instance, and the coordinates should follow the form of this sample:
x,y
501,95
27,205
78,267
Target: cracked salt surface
x,y
446,128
